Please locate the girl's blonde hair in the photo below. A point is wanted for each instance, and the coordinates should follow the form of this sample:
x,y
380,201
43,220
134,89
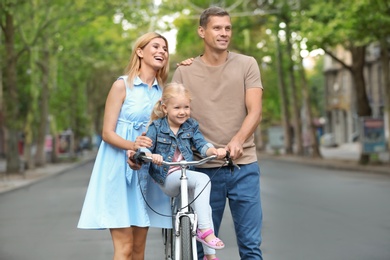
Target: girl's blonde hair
x,y
170,91
133,67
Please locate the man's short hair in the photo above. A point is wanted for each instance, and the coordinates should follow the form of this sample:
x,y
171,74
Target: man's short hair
x,y
211,11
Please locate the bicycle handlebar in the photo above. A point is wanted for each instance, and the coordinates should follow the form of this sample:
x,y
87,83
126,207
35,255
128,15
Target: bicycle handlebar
x,y
140,157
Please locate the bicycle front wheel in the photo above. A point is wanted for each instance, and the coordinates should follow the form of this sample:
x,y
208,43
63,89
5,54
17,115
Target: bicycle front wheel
x,y
186,238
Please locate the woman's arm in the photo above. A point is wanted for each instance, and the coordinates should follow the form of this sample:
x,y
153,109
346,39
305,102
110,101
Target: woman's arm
x,y
114,103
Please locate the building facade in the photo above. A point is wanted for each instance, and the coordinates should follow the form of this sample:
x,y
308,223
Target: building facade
x,y
342,120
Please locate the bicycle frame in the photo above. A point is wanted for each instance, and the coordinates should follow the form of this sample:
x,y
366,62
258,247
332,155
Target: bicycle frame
x,y
185,221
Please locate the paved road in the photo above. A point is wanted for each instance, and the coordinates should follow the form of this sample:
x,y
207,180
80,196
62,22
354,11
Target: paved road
x,y
318,214
309,214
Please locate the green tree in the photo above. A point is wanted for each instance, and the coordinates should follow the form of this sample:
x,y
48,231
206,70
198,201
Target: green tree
x,y
353,24
8,11
57,54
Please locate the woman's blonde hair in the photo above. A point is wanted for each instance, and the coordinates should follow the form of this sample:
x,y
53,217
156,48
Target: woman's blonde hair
x,y
133,67
170,91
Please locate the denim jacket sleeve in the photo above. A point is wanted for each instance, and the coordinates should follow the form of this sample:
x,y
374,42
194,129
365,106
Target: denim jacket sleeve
x,y
199,142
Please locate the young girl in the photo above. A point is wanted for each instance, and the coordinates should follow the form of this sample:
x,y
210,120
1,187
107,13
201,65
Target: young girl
x,y
174,134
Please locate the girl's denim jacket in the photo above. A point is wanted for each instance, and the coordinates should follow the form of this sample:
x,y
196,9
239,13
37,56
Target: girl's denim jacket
x,y
165,143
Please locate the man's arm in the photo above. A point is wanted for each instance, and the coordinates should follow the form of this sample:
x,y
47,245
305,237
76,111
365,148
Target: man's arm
x,y
253,102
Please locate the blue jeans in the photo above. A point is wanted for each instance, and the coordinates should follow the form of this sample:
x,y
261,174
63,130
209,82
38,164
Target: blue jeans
x,y
242,188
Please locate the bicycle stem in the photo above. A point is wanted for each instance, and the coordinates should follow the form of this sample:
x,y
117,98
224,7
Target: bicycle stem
x,y
184,189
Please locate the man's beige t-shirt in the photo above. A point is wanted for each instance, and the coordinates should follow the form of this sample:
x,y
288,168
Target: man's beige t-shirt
x,y
218,99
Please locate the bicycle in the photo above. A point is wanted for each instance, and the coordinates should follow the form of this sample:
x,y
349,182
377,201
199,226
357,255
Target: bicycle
x,y
180,241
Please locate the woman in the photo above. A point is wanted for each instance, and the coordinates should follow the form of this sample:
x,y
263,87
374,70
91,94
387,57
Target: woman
x,y
115,195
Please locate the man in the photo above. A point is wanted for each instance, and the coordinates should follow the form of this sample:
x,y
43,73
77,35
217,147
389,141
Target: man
x,y
226,94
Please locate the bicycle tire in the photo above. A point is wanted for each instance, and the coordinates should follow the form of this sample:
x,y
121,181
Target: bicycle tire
x,y
186,238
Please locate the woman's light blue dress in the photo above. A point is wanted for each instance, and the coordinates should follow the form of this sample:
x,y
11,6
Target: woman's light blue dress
x,y
116,194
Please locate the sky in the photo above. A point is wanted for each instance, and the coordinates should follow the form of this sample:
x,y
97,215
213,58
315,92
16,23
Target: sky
x,y
170,35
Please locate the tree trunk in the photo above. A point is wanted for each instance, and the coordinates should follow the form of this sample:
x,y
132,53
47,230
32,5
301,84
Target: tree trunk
x,y
309,118
358,62
27,157
385,59
2,130
363,105
258,139
294,93
41,156
29,128
284,104
11,110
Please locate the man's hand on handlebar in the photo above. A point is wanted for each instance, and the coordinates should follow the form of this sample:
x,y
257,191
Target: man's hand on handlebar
x,y
235,148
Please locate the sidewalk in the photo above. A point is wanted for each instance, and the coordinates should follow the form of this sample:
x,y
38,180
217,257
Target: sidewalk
x,y
344,157
9,182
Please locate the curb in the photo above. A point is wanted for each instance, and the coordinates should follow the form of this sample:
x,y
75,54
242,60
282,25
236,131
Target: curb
x,y
17,181
333,164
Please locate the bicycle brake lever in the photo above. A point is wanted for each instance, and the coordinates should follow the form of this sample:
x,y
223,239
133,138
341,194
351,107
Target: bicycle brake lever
x,y
230,162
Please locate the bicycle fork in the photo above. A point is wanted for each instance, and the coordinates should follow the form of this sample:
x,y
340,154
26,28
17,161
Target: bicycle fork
x,y
185,212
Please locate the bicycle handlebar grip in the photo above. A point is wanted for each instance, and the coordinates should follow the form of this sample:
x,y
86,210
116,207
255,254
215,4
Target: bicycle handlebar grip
x,y
138,157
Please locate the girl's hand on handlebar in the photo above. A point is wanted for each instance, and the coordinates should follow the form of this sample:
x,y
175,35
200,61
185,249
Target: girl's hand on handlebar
x,y
220,153
156,159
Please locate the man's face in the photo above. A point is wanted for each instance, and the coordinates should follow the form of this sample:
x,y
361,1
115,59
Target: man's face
x,y
218,32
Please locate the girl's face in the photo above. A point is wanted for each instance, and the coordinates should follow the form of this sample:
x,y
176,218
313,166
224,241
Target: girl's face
x,y
177,110
154,54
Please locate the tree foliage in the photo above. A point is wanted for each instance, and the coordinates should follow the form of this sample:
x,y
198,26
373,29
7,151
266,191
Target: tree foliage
x,y
65,55
65,52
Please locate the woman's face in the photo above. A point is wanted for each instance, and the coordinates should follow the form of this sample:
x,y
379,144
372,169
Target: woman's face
x,y
154,54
